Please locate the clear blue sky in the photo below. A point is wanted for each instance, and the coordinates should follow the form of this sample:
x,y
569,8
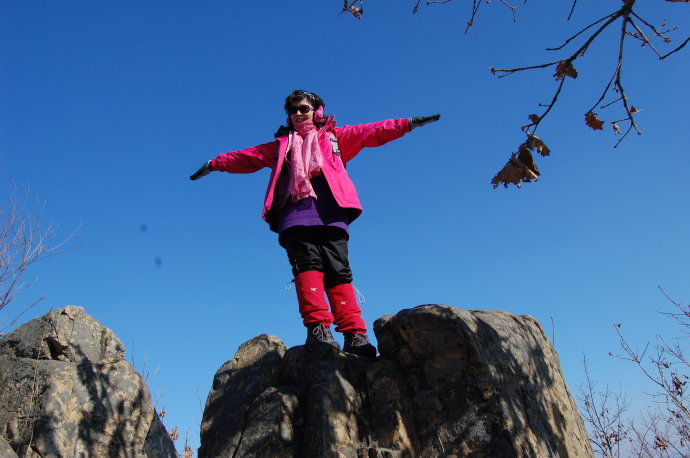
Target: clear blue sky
x,y
106,108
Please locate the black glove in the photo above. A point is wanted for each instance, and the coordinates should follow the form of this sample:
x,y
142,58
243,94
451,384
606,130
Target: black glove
x,y
202,172
419,121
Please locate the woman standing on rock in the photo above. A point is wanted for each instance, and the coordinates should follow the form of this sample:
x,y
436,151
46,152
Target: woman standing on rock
x,y
310,202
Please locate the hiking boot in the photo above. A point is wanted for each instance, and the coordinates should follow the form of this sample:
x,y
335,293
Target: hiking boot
x,y
358,344
320,333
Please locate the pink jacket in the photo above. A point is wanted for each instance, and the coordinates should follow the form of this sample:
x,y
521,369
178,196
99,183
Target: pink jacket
x,y
351,140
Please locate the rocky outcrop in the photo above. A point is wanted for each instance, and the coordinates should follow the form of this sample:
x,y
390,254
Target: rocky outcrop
x,y
449,382
68,391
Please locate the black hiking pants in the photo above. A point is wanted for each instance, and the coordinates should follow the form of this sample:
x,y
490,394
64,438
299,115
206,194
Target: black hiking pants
x,y
321,248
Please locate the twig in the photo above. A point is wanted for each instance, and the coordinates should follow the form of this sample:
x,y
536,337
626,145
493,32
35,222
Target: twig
x,y
572,9
668,297
415,10
513,9
608,86
550,106
656,32
619,85
198,396
510,71
630,127
579,33
675,50
609,104
644,38
14,321
475,8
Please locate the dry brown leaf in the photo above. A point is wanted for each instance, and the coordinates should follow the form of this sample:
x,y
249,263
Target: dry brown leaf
x,y
616,128
525,156
565,68
514,172
536,143
356,12
633,109
593,122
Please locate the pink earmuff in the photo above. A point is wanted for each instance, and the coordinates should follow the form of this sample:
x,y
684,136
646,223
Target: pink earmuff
x,y
318,114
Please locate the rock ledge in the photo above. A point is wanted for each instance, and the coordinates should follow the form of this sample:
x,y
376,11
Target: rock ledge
x,y
449,382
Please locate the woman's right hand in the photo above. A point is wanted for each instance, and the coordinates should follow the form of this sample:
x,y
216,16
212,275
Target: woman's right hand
x,y
419,121
202,172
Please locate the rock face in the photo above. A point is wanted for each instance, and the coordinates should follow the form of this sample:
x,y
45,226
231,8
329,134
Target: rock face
x,y
68,391
449,382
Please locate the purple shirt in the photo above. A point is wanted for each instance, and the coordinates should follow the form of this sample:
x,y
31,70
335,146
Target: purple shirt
x,y
322,211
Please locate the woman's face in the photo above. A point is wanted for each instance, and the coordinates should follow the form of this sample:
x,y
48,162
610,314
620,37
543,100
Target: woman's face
x,y
298,116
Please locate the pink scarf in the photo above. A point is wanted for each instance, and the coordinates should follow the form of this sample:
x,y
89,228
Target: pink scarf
x,y
306,160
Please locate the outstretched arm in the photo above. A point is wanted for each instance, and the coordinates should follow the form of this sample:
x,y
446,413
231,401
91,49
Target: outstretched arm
x,y
352,139
243,161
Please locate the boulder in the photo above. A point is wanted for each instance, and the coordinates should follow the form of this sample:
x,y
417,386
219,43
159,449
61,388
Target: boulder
x,y
68,391
449,382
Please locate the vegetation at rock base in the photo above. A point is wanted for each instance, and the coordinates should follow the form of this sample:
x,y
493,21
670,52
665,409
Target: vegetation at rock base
x,y
663,430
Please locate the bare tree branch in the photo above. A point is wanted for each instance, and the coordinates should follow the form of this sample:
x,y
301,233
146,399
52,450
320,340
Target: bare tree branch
x,y
666,430
24,241
517,170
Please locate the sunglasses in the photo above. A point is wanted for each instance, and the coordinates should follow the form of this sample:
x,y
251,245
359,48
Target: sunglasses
x,y
304,109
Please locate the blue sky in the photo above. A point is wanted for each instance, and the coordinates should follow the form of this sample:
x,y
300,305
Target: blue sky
x,y
106,108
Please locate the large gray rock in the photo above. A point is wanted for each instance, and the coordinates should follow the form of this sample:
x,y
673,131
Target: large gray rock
x,y
236,385
67,391
449,382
